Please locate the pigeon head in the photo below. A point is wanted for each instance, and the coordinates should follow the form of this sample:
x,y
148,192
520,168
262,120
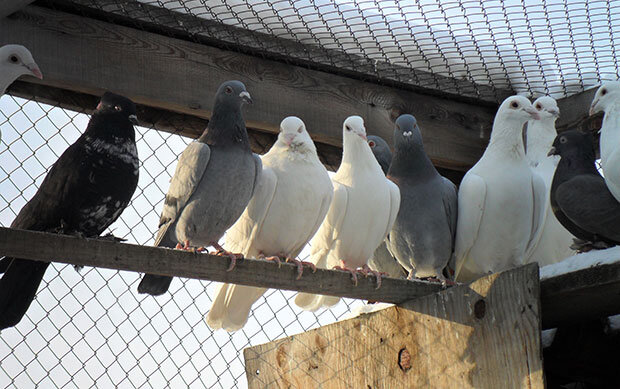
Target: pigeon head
x,y
381,150
547,108
117,106
353,128
232,94
517,109
606,95
407,132
573,143
15,61
294,135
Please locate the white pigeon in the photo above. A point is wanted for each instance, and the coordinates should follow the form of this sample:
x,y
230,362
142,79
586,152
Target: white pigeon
x,y
501,201
555,241
607,99
15,61
290,202
361,214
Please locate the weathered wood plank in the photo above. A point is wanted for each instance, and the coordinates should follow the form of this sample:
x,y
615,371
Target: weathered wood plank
x,y
574,112
7,7
485,335
155,260
157,71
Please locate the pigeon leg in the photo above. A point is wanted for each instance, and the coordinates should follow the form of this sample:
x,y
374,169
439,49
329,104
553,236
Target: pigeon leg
x,y
300,266
345,268
367,270
233,257
112,238
186,247
411,275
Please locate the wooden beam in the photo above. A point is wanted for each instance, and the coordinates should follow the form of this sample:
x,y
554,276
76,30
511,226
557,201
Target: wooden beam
x,y
483,335
574,112
7,7
100,253
90,56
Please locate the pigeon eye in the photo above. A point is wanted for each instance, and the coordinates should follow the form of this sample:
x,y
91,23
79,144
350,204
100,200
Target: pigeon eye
x,y
371,144
514,104
13,59
348,128
229,90
563,139
538,107
118,108
299,130
603,92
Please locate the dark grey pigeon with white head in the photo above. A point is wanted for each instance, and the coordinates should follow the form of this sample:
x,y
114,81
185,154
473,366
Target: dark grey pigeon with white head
x,y
422,238
382,261
213,183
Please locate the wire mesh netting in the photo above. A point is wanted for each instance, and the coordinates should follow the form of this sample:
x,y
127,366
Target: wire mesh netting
x,y
91,328
481,49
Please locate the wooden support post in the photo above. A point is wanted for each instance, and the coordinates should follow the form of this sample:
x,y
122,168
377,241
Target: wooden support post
x,y
483,335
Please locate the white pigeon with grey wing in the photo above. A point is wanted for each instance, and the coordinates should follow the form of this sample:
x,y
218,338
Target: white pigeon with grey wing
x,y
555,241
290,202
607,99
501,201
361,214
16,61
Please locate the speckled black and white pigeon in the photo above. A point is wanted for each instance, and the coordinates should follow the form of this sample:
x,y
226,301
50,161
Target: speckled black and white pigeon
x,y
422,238
84,192
213,183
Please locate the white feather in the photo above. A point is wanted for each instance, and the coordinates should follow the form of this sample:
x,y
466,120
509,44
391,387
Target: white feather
x,y
607,99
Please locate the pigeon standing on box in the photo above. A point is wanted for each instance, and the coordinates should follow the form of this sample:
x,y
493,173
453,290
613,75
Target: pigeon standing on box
x,y
15,61
84,192
361,214
580,197
501,201
607,99
555,241
213,182
290,202
382,261
422,238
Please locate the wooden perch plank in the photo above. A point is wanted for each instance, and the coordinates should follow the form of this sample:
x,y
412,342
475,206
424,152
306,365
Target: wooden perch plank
x,y
112,255
483,335
75,54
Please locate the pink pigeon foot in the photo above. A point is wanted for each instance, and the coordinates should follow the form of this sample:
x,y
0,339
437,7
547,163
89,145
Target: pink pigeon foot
x,y
233,256
274,258
365,270
353,272
300,266
186,247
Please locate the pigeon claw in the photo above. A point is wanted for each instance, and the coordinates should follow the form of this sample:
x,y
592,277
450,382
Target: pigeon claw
x,y
300,266
353,272
233,258
275,259
367,270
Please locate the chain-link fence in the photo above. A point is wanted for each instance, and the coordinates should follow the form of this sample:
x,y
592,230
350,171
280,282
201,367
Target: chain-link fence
x,y
91,328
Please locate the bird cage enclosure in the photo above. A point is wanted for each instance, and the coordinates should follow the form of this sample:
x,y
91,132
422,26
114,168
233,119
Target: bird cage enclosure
x,y
449,62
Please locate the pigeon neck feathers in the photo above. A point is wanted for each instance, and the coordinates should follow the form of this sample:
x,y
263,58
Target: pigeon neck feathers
x,y
610,131
357,156
540,136
226,128
110,127
410,161
506,138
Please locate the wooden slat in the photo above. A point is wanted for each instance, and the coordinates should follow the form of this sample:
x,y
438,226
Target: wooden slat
x,y
574,112
484,335
7,7
75,53
106,254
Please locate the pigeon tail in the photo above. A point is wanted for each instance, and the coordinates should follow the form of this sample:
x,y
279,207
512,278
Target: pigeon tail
x,y
154,285
231,306
18,287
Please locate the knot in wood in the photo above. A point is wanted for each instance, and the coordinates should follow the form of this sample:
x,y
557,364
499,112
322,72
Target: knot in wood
x,y
480,309
404,359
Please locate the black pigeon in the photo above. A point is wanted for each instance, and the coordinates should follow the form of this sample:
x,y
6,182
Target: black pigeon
x,y
212,184
579,197
84,192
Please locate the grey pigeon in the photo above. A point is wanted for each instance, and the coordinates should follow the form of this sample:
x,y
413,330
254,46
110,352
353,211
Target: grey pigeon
x,y
579,197
422,238
382,261
213,183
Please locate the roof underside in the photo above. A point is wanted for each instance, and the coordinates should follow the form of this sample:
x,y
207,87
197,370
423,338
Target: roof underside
x,y
477,49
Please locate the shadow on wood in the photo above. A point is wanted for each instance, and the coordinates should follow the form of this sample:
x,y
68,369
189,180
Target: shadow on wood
x,y
483,335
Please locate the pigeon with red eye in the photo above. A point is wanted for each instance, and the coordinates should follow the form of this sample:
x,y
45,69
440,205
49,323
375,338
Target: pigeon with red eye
x,y
293,182
501,201
15,61
213,182
555,241
381,150
84,192
579,196
607,99
422,237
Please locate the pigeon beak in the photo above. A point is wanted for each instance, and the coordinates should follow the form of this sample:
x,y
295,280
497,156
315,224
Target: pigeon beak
x,y
363,136
554,112
34,70
552,151
289,138
245,96
593,109
133,119
533,113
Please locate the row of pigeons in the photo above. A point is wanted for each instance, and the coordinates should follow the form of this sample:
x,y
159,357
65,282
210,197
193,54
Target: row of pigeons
x,y
394,212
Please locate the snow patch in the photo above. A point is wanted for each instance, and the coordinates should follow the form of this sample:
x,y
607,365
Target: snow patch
x,y
581,261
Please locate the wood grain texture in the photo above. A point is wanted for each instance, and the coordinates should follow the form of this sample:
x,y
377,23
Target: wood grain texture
x,y
177,263
445,340
157,71
7,7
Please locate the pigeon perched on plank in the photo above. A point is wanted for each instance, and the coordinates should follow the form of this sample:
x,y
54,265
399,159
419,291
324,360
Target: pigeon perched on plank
x,y
501,201
555,241
361,214
84,192
382,261
212,184
15,61
580,198
290,202
607,99
422,238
